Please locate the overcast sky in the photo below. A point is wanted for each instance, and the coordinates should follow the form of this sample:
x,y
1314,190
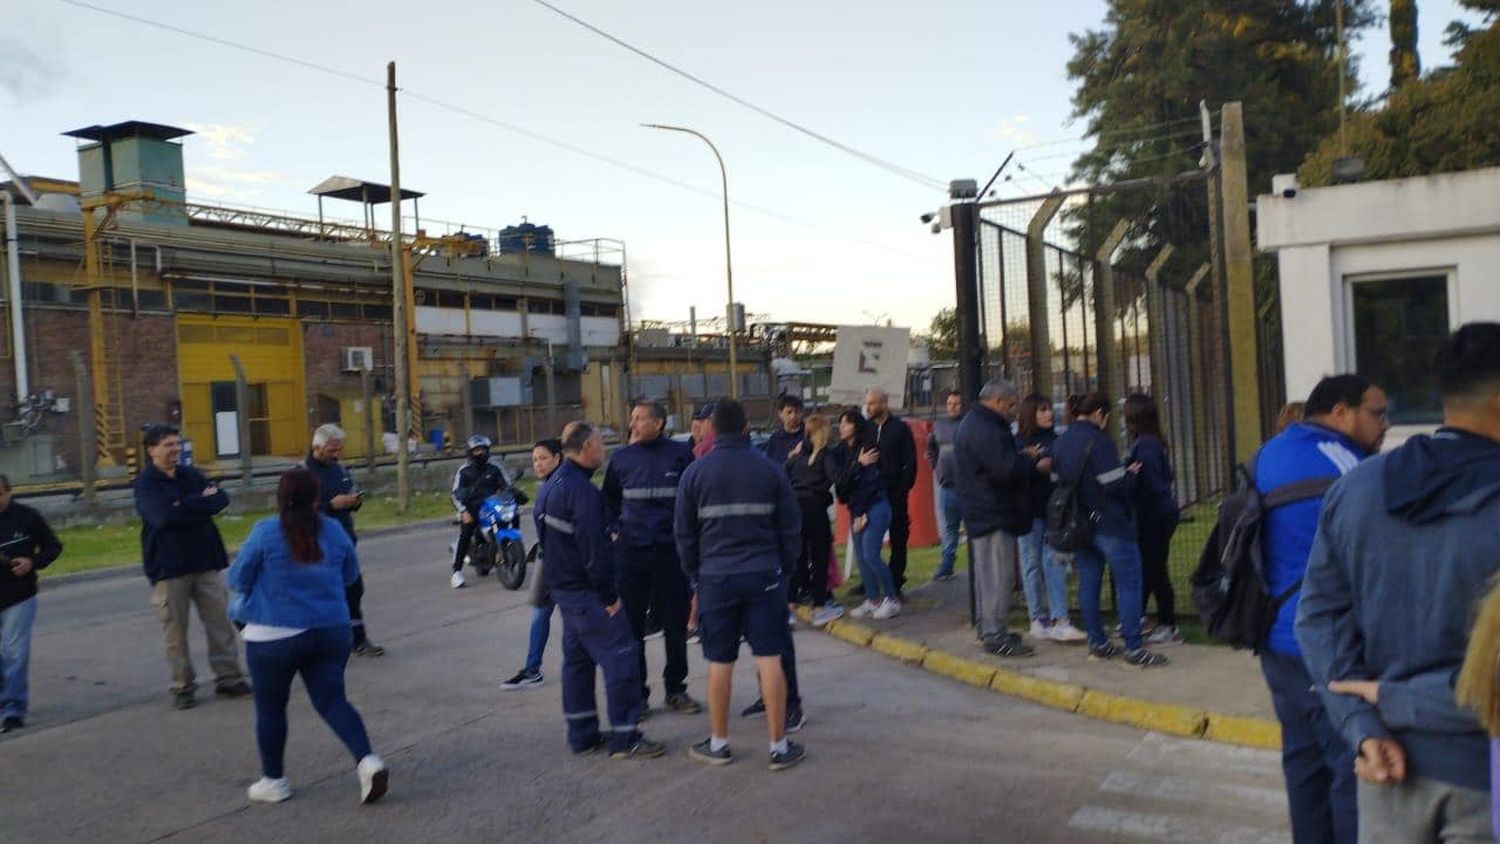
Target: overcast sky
x,y
944,89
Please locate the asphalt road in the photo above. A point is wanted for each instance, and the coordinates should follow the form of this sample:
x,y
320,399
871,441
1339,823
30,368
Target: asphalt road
x,y
895,754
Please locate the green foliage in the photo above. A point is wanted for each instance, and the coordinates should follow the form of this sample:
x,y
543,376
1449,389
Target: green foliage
x,y
1405,64
942,335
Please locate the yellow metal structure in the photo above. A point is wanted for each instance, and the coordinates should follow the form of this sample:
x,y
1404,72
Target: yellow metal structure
x,y
271,351
104,329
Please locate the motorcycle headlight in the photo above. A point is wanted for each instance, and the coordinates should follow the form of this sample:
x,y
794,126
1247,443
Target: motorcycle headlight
x,y
508,512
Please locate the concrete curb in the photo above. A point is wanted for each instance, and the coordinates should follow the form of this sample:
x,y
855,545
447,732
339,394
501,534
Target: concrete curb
x,y
1156,716
125,570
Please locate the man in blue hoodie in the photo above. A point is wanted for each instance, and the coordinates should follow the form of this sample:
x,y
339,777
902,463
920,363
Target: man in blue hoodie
x,y
1407,542
1346,421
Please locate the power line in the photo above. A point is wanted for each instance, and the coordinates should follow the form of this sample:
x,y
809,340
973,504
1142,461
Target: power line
x,y
904,172
1110,133
460,110
1169,136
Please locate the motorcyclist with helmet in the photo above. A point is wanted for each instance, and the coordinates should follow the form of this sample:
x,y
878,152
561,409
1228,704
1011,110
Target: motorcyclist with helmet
x,y
476,480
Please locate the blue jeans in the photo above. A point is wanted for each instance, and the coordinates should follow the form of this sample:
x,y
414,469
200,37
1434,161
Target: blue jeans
x,y
15,657
1040,569
541,628
1124,558
949,519
1318,763
319,655
877,578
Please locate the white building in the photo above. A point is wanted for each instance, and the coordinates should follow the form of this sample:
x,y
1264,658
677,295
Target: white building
x,y
1375,275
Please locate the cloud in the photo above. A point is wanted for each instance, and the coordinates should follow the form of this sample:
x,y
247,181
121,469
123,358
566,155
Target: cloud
x,y
25,74
226,142
231,183
1015,131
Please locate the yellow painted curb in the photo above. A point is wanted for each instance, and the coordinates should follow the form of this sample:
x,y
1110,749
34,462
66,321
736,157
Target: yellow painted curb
x,y
854,634
899,648
1250,732
1065,696
1161,717
958,668
804,613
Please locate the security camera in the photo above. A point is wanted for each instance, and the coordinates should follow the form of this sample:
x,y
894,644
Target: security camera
x,y
937,228
1285,185
929,217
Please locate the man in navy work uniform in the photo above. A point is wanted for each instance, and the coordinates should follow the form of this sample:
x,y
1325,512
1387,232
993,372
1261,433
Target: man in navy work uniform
x,y
580,571
338,499
738,532
640,485
1345,422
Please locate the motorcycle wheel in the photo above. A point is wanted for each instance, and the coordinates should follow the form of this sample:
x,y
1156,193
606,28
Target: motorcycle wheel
x,y
512,569
482,557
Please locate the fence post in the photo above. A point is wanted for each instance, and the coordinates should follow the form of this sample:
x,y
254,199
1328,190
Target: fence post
x,y
1198,419
1161,364
87,453
368,389
242,404
1036,294
971,352
1104,313
1239,283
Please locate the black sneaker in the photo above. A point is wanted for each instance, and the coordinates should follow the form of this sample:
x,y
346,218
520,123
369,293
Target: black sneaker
x,y
683,704
794,753
239,688
1009,646
703,752
524,679
369,649
594,748
183,700
943,578
1142,658
12,723
754,709
641,748
1103,653
795,720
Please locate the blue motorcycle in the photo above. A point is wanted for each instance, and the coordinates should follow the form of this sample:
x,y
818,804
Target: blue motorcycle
x,y
498,543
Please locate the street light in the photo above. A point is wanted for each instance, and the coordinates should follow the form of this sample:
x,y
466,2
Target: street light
x,y
734,362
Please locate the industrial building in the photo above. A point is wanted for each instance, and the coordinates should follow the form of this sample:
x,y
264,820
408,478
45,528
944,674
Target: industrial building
x,y
513,332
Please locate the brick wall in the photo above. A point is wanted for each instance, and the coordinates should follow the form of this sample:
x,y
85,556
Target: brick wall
x,y
322,355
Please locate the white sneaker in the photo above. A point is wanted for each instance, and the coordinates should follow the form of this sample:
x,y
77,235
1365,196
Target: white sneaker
x,y
267,790
374,778
791,619
824,615
1040,630
1064,631
457,580
889,608
864,610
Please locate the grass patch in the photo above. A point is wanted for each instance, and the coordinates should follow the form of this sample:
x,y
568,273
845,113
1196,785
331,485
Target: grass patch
x,y
89,548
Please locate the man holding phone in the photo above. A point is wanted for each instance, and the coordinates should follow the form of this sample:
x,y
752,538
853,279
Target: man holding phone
x,y
338,499
27,544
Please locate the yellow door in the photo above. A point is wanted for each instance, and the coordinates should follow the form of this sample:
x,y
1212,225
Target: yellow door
x,y
271,352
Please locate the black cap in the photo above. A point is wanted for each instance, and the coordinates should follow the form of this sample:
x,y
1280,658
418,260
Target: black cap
x,y
704,412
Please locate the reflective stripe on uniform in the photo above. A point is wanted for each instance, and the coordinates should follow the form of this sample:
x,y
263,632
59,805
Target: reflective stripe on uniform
x,y
719,511
581,716
559,525
623,729
1111,476
650,492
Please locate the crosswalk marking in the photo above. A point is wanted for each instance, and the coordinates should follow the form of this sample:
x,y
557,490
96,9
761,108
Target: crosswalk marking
x,y
1193,791
1169,828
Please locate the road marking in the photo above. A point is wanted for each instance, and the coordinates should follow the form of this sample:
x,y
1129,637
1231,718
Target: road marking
x,y
1166,828
1177,753
1193,791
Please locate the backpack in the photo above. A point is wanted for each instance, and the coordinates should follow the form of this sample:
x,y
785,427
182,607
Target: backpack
x,y
1070,528
1229,586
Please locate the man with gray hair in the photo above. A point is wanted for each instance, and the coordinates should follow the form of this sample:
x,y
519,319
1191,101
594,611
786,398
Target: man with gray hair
x,y
338,499
993,479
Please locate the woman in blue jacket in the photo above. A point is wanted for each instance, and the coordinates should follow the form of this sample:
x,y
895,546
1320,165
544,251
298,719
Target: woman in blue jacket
x,y
1044,578
1106,492
288,582
1156,513
859,487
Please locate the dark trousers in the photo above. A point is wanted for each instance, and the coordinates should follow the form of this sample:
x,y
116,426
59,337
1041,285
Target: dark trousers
x,y
319,655
817,544
650,577
900,534
593,638
1155,539
1317,762
465,538
354,593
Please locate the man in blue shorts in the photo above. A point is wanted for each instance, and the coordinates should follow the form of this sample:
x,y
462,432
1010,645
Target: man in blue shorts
x,y
738,532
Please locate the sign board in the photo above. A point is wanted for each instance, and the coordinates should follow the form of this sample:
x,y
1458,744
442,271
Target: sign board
x,y
867,356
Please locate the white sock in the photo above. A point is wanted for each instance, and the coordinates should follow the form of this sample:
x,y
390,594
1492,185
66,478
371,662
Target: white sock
x,y
779,746
717,744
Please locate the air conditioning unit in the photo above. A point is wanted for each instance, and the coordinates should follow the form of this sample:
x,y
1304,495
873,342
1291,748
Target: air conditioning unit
x,y
357,358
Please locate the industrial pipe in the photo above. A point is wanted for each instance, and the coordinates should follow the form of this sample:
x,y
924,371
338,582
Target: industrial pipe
x,y
17,319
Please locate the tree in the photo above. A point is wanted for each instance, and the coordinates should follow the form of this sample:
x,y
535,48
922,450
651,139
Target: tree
x,y
1441,124
942,335
1406,66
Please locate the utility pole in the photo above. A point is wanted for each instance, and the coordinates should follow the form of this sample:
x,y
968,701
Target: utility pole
x,y
398,303
1239,277
966,278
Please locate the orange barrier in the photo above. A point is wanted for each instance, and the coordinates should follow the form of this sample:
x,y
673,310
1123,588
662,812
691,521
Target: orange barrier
x,y
920,503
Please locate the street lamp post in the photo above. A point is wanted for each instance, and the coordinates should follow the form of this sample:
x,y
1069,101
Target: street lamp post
x,y
734,362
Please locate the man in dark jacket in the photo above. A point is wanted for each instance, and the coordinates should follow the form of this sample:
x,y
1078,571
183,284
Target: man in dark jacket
x,y
183,553
339,499
580,572
1407,542
738,531
640,485
940,458
994,479
474,481
898,472
27,544
790,433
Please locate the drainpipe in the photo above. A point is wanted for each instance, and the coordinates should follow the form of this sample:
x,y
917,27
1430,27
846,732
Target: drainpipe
x,y
17,319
